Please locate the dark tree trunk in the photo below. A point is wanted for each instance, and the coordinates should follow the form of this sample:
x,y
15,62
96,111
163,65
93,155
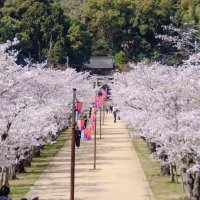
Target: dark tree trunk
x,y
172,173
13,172
165,169
37,151
196,187
1,178
6,176
152,147
191,182
21,167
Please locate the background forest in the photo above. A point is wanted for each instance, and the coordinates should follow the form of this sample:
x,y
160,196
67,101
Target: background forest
x,y
125,29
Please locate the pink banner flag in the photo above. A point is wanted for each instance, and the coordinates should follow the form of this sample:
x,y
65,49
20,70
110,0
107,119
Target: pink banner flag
x,y
93,118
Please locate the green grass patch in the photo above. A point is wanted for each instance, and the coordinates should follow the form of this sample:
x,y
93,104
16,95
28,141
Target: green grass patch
x,y
21,186
161,186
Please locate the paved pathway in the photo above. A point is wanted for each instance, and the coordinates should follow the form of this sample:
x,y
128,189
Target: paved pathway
x,y
118,175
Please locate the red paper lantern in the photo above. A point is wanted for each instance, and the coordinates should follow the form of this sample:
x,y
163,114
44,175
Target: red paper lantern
x,y
100,102
94,110
92,126
78,106
96,99
93,118
104,94
87,133
80,124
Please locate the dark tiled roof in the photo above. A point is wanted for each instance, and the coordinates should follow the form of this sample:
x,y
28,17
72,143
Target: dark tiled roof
x,y
100,62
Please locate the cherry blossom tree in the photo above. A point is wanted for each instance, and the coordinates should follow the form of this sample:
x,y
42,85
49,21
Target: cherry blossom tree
x,y
162,104
35,102
184,39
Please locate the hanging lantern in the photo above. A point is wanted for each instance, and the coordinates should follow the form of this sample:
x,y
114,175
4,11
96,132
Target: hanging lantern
x,y
104,94
94,110
78,106
87,134
80,124
92,126
100,102
96,99
93,118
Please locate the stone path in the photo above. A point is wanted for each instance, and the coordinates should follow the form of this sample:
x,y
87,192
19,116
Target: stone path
x,y
118,175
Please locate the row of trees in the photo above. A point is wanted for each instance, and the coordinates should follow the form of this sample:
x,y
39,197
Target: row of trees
x,y
162,104
35,104
45,33
55,30
132,26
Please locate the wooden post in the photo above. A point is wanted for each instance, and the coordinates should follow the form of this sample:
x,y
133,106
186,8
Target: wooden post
x,y
73,147
103,113
95,141
100,123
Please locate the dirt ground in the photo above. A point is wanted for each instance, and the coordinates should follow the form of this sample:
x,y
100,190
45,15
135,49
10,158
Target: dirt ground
x,y
118,173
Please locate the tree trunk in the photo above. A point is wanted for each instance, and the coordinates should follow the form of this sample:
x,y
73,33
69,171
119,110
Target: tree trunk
x,y
152,147
6,176
13,172
172,173
165,169
1,178
20,167
188,183
196,187
176,175
37,151
28,161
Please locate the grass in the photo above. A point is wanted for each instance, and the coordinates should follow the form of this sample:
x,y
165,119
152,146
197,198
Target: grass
x,y
161,186
20,187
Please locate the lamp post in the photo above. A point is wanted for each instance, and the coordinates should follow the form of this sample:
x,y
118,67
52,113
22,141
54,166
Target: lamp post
x,y
73,146
103,112
100,122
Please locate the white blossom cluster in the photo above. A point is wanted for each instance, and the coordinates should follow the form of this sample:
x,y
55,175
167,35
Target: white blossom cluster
x,y
183,40
162,103
34,101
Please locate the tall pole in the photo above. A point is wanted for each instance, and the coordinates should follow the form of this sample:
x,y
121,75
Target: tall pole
x,y
100,123
73,146
103,113
95,140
